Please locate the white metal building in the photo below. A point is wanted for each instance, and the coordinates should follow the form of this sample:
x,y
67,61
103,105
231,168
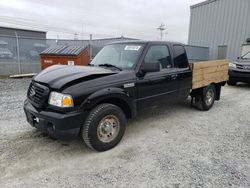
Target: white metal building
x,y
221,25
10,31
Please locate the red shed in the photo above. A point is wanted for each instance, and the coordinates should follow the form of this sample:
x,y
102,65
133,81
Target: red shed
x,y
64,55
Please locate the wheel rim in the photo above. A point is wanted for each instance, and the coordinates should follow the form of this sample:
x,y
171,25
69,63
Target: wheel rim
x,y
209,97
108,128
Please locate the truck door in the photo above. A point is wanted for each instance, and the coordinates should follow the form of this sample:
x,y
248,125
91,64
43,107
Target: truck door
x,y
158,87
184,79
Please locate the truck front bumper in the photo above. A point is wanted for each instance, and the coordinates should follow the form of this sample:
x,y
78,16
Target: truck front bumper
x,y
58,125
239,76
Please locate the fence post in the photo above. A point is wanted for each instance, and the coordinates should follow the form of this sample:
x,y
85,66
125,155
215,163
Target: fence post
x,y
18,54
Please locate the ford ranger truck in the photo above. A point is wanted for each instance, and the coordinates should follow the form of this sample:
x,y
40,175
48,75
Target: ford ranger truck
x,y
96,101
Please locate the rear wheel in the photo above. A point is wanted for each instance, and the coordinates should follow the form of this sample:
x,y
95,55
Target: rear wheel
x,y
104,127
231,83
206,99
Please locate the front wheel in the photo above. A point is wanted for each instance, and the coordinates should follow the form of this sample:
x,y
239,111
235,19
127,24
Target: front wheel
x,y
104,127
206,99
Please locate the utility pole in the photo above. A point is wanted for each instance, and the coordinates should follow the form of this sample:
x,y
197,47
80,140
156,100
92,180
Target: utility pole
x,y
57,38
82,36
82,33
75,36
162,28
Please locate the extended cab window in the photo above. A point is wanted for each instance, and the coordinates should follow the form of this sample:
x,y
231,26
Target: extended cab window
x,y
180,60
159,53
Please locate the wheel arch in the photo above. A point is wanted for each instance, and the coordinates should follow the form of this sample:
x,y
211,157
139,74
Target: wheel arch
x,y
115,96
217,86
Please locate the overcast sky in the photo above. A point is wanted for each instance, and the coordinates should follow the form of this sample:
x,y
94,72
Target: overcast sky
x,y
103,18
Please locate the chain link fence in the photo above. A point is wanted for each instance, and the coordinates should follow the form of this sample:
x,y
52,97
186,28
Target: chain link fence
x,y
22,55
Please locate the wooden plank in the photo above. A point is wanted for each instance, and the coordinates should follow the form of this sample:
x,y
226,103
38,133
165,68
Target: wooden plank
x,y
207,82
207,72
210,70
29,75
213,79
203,83
214,75
206,64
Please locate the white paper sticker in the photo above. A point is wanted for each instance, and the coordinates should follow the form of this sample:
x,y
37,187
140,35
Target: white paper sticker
x,y
71,63
129,85
135,48
48,61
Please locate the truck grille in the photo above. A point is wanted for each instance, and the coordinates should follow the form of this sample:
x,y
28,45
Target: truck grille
x,y
245,67
240,66
37,94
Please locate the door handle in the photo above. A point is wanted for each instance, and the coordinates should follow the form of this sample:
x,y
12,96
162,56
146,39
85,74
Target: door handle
x,y
174,76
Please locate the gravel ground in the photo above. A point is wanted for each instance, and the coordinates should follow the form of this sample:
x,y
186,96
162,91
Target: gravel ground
x,y
174,146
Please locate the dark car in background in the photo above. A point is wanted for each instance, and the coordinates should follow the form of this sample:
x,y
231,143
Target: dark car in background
x,y
239,71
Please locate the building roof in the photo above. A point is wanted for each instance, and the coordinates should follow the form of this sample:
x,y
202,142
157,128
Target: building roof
x,y
116,38
63,50
23,29
202,3
145,42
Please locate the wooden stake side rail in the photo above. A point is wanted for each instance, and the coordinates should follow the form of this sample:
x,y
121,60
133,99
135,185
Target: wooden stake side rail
x,y
207,72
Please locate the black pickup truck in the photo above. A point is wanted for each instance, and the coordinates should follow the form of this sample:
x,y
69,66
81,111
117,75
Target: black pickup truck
x,y
96,101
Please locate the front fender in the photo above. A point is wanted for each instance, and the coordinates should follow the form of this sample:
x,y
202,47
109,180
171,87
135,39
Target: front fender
x,y
109,93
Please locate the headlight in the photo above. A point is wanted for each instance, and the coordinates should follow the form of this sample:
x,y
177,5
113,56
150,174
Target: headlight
x,y
60,100
232,65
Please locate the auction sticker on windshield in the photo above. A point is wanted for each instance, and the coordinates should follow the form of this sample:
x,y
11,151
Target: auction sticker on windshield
x,y
136,48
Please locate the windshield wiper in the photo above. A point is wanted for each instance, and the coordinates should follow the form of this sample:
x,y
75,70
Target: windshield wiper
x,y
109,65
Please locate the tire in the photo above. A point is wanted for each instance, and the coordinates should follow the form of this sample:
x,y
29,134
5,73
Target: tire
x,y
104,127
205,101
231,83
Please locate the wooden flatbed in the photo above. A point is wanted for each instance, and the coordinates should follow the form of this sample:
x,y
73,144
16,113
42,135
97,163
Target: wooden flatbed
x,y
207,72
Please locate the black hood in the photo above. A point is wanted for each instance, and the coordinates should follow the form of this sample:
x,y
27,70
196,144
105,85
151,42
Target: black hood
x,y
59,76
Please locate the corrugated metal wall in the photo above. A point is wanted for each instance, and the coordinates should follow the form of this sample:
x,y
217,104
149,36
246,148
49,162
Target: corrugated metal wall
x,y
216,23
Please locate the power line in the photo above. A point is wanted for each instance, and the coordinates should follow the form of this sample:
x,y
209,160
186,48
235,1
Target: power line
x,y
32,23
47,28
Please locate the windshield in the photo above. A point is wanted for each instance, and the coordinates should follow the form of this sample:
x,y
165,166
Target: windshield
x,y
122,56
246,56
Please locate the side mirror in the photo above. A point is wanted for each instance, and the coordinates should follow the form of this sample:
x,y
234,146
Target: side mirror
x,y
150,67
